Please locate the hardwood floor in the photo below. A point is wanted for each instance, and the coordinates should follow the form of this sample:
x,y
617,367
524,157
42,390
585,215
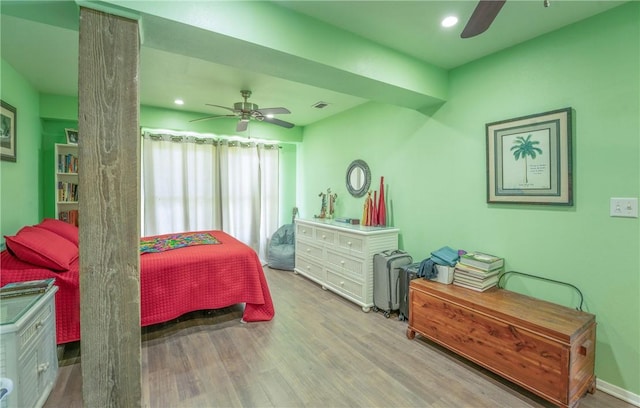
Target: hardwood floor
x,y
319,351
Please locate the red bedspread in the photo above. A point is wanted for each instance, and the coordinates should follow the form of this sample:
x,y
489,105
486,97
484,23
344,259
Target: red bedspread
x,y
172,283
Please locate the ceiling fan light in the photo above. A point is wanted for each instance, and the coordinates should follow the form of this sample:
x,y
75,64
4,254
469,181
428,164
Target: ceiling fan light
x,y
179,101
449,21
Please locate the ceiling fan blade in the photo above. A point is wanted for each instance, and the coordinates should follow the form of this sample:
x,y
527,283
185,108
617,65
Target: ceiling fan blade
x,y
212,117
220,106
278,122
273,111
242,125
482,17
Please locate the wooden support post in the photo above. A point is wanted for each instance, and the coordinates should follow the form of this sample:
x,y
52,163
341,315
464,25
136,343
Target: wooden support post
x,y
109,209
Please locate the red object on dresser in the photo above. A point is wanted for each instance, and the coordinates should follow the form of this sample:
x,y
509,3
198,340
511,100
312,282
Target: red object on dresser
x,y
382,207
172,283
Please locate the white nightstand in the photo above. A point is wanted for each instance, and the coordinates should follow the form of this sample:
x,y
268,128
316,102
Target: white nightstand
x,y
28,348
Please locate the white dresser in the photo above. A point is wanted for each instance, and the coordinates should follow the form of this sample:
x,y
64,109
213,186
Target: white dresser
x,y
339,256
28,348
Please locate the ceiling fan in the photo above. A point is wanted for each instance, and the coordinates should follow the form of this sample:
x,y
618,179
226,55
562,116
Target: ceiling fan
x,y
246,111
483,15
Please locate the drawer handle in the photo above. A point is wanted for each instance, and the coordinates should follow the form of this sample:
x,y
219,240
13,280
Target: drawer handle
x,y
308,249
304,231
323,236
349,243
341,262
342,283
585,347
39,324
308,267
43,367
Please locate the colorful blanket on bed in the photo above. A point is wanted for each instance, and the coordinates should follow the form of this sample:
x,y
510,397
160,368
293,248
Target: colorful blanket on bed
x,y
175,241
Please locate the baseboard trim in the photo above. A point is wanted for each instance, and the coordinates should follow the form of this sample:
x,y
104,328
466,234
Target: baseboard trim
x,y
615,391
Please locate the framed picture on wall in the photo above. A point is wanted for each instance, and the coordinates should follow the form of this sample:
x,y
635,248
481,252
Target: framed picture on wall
x,y
72,136
8,135
529,159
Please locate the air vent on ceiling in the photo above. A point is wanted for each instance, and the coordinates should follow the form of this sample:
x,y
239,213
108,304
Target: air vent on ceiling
x,y
320,105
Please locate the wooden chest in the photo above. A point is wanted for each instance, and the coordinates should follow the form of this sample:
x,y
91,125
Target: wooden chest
x,y
546,348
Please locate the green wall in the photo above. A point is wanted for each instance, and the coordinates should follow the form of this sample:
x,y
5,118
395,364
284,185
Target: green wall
x,y
20,203
435,170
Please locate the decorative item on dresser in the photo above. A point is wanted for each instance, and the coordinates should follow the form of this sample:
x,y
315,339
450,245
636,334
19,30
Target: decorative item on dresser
x,y
546,348
28,348
339,256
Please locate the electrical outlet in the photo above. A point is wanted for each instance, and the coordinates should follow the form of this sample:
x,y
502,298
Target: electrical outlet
x,y
624,207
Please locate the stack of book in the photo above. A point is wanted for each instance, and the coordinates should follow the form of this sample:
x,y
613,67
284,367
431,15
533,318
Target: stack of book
x,y
478,271
26,288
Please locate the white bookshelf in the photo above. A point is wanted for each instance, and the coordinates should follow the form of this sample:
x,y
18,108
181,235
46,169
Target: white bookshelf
x,y
66,181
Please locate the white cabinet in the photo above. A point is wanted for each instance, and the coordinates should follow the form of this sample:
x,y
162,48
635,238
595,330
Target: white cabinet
x,y
66,188
28,348
340,256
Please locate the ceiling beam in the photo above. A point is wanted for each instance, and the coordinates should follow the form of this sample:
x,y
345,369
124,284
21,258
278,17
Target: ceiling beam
x,y
268,39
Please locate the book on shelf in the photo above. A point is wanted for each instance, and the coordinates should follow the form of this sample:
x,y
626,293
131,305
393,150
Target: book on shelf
x,y
67,192
67,163
481,260
26,287
70,216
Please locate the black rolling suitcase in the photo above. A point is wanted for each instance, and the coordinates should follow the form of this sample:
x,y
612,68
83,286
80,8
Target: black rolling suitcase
x,y
407,274
386,271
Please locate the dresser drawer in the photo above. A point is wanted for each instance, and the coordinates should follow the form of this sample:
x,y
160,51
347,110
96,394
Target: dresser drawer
x,y
326,236
309,250
305,231
345,265
353,244
309,268
35,326
345,285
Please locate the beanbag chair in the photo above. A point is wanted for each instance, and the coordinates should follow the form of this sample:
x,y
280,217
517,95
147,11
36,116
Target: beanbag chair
x,y
281,250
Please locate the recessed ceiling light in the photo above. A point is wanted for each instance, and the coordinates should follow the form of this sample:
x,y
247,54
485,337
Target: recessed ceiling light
x,y
179,102
320,105
449,21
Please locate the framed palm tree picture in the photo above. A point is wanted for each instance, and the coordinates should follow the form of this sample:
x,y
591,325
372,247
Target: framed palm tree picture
x,y
529,159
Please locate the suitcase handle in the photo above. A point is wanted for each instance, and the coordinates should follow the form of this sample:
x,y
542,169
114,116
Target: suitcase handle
x,y
389,252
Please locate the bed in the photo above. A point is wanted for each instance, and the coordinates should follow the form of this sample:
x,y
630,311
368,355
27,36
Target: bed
x,y
173,282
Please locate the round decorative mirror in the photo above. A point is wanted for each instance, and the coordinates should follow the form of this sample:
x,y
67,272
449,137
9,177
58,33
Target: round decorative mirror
x,y
358,178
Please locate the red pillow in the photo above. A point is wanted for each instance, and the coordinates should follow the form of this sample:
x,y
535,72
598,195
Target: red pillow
x,y
64,229
42,247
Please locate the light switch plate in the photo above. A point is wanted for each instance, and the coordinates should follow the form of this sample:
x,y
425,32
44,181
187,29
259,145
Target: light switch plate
x,y
624,207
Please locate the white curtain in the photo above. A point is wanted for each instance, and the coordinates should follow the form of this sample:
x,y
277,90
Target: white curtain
x,y
193,184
